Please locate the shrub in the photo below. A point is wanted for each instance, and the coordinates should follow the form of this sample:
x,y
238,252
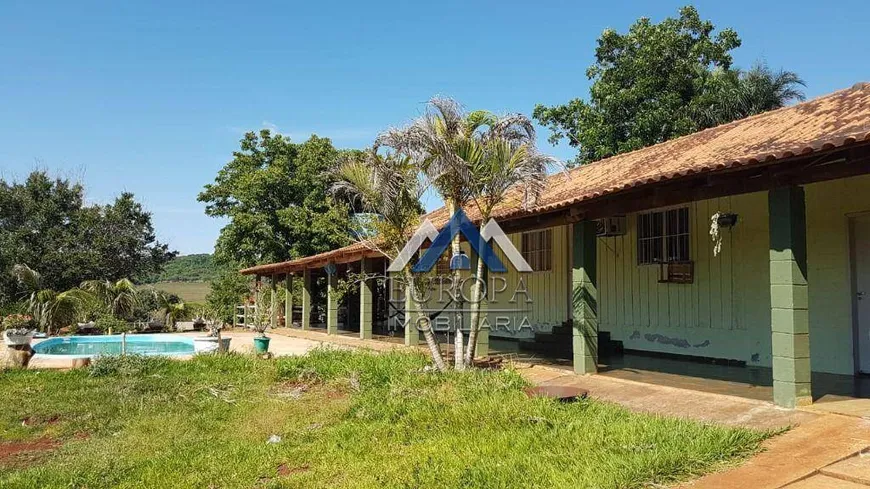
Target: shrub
x,y
125,365
106,322
17,322
12,308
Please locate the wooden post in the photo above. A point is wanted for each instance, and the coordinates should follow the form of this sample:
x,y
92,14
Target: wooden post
x,y
366,300
273,288
306,299
288,301
332,303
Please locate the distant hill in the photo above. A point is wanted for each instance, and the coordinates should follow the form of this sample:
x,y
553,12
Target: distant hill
x,y
187,268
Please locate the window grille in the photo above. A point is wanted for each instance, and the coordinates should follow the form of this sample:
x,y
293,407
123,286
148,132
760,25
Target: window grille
x,y
663,237
537,249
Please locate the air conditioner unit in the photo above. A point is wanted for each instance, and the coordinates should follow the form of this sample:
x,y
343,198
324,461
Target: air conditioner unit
x,y
611,226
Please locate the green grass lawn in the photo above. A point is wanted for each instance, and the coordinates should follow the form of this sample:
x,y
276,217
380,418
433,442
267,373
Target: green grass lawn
x,y
346,419
188,291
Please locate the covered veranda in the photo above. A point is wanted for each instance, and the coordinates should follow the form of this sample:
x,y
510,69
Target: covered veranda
x,y
340,292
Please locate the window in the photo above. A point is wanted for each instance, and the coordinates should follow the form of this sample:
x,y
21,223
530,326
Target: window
x,y
442,266
663,237
538,249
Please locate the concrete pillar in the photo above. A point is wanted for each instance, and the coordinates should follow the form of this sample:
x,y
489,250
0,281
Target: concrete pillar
x,y
789,313
585,298
306,299
412,334
332,303
288,301
366,300
273,307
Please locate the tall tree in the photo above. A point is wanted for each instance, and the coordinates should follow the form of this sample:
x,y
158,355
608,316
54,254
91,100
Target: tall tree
x,y
387,186
510,163
444,143
274,193
227,291
45,224
657,82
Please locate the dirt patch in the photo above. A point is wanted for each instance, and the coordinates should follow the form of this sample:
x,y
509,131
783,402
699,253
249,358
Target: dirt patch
x,y
282,470
25,452
289,390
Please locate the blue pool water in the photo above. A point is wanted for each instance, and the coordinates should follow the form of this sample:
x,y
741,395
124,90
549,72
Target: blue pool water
x,y
142,344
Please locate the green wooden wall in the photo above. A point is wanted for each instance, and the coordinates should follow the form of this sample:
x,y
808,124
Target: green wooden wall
x,y
725,313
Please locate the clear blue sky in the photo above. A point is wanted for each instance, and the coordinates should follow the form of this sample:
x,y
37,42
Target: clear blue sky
x,y
152,97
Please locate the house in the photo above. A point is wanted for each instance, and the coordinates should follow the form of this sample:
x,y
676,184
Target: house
x,y
623,253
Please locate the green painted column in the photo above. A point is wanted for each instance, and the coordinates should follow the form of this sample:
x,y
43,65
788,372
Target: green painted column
x,y
306,299
412,334
789,301
482,348
288,300
366,300
273,306
585,298
332,303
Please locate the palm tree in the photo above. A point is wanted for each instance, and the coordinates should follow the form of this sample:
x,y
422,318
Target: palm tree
x,y
444,143
388,186
119,298
50,309
738,94
510,164
172,310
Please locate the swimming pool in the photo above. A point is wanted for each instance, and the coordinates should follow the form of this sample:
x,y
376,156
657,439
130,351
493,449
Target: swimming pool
x,y
141,344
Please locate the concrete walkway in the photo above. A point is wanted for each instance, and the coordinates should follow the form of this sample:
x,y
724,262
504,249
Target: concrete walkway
x,y
279,345
821,450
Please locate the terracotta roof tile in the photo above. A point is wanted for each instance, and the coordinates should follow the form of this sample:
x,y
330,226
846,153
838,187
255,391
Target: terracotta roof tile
x,y
821,124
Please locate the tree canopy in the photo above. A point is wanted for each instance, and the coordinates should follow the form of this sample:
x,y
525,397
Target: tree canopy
x,y
661,81
46,225
274,193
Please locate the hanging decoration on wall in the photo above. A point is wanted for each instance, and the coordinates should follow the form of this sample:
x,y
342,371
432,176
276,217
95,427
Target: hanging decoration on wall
x,y
717,221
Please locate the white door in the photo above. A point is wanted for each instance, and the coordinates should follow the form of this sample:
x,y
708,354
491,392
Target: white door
x,y
861,254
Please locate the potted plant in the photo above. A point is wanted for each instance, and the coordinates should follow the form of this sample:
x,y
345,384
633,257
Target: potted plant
x,y
17,329
262,317
213,342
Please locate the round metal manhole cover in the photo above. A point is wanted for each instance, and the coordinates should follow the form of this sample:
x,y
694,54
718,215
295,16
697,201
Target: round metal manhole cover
x,y
564,393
